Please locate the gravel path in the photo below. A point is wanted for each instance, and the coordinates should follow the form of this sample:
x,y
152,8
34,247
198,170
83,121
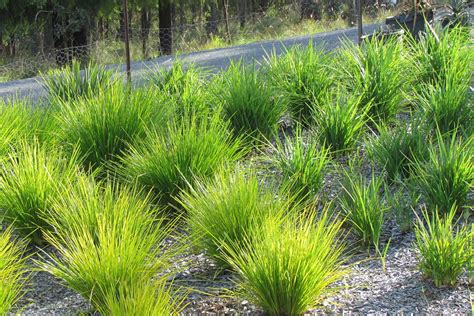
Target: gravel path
x,y
213,59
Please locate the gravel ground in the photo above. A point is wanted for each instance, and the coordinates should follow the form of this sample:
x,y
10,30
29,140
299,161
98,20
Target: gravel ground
x,y
367,289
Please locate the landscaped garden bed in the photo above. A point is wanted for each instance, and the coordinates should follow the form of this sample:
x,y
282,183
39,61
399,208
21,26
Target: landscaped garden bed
x,y
320,182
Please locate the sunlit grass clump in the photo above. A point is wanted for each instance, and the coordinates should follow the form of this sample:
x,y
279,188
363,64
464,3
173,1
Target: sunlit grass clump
x,y
396,149
340,122
302,163
377,71
227,210
287,268
445,246
250,103
446,177
71,83
362,204
188,149
108,241
31,177
302,76
13,270
103,126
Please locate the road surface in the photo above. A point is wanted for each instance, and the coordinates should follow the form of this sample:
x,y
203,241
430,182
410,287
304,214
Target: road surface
x,y
214,59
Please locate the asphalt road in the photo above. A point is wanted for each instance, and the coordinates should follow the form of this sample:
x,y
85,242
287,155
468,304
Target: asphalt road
x,y
213,59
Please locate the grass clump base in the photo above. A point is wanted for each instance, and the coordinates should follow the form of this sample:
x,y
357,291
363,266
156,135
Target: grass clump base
x,y
445,251
286,268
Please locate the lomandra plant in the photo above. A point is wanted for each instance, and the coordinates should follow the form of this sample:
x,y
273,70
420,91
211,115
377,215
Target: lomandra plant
x,y
445,246
20,120
363,206
287,268
445,178
102,127
340,121
302,76
447,105
72,82
302,164
250,103
108,245
227,209
396,149
377,72
438,52
166,162
183,86
13,270
31,177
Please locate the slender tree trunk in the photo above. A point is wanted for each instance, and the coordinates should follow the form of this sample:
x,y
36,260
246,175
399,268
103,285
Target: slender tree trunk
x,y
165,34
145,24
211,24
225,7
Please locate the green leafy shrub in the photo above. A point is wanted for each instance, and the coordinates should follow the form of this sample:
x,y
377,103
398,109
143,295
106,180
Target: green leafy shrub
x,y
286,269
340,122
249,103
30,178
166,162
301,163
227,209
71,83
102,127
444,250
108,241
12,270
377,72
363,206
303,77
445,178
395,149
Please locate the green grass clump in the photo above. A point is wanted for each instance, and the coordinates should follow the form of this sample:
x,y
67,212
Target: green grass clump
x,y
301,163
436,55
227,209
302,76
108,241
12,270
377,71
31,177
166,162
339,122
249,102
184,87
20,120
71,83
395,149
447,105
445,178
363,206
102,127
444,250
287,268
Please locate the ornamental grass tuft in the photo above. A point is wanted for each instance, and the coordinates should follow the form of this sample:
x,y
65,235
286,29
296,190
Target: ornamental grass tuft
x,y
286,268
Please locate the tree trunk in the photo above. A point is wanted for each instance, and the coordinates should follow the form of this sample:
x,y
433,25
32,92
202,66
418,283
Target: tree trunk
x,y
145,24
226,18
211,24
165,34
